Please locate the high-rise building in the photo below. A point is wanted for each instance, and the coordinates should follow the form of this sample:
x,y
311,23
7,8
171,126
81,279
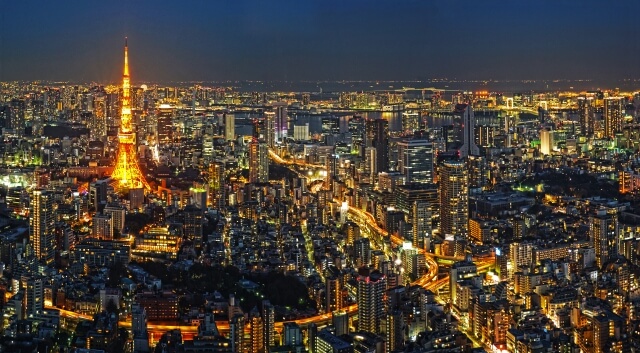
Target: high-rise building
x,y
98,125
421,222
117,214
256,331
42,226
377,136
469,147
340,321
291,334
394,330
281,121
613,109
586,114
460,271
139,329
370,298
193,217
229,127
98,195
258,162
454,198
334,286
546,141
34,295
236,333
603,235
415,160
165,125
270,128
217,191
102,227
268,319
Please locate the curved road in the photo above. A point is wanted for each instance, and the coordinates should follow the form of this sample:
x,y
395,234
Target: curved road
x,y
428,281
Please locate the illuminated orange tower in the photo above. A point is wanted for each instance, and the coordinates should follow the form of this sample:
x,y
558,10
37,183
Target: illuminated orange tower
x,y
127,172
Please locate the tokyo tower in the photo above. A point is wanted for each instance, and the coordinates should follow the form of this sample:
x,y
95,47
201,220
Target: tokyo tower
x,y
127,173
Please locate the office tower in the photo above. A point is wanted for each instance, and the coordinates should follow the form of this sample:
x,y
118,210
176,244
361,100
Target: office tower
x,y
139,329
98,126
586,114
193,217
269,129
236,333
603,235
117,214
370,299
421,223
415,161
546,141
331,165
281,121
164,130
256,331
229,127
377,136
42,226
217,191
127,171
454,198
469,147
268,319
17,120
340,321
102,227
98,195
292,334
258,162
371,164
478,173
613,109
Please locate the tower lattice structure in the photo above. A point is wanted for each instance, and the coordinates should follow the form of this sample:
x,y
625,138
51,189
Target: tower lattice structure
x,y
127,171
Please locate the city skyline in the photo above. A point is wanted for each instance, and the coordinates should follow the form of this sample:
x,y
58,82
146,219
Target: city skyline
x,y
297,41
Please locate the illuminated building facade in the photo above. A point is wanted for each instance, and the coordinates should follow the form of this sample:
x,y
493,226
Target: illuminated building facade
x,y
370,299
258,162
603,235
127,171
613,109
415,161
454,198
42,226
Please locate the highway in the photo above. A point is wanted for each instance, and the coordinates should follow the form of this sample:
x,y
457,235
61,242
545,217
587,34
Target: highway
x,y
428,281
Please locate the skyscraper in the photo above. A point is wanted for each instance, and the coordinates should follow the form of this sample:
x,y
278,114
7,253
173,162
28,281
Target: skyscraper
x,y
217,191
42,226
603,235
613,108
469,147
270,128
415,160
421,222
229,127
281,121
370,299
454,198
586,114
258,161
377,136
236,333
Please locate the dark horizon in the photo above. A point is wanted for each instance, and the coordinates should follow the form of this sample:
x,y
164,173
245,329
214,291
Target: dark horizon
x,y
292,41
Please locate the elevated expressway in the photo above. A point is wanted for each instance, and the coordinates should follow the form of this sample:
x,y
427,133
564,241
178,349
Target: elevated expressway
x,y
429,281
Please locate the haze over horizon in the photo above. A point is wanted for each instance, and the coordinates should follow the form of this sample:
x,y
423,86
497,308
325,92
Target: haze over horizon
x,y
328,40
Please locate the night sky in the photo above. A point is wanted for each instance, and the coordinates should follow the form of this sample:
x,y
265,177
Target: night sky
x,y
184,40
